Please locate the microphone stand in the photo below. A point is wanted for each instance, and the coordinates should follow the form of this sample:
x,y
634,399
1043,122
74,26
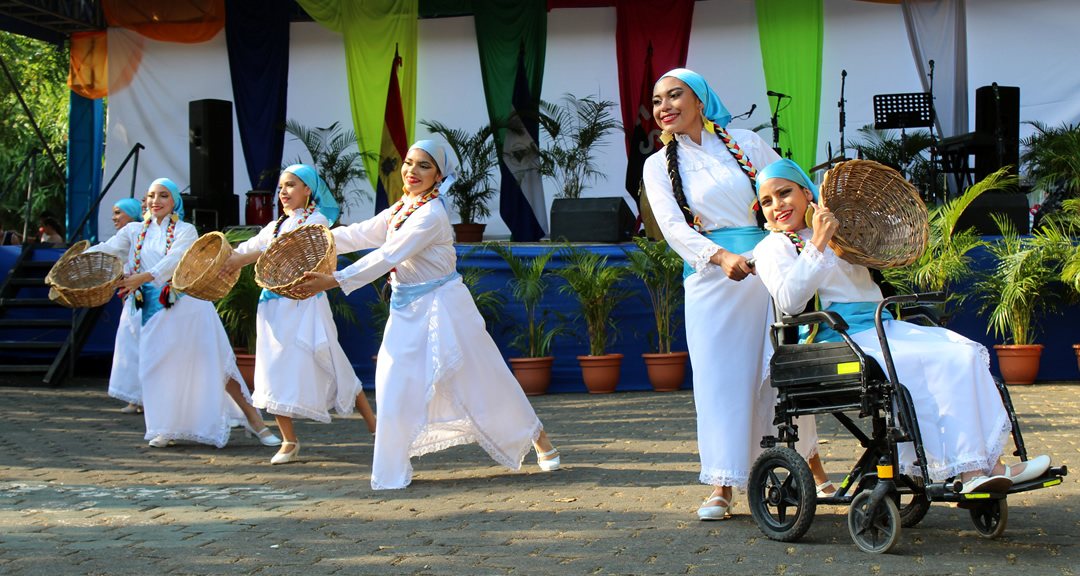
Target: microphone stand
x,y
776,127
843,116
933,139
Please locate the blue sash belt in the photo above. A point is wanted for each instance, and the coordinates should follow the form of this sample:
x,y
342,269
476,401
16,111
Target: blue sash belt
x,y
266,295
405,294
858,315
734,240
151,303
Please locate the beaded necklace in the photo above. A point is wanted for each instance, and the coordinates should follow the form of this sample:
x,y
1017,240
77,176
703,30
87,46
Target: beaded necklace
x,y
736,151
142,236
795,238
427,197
308,211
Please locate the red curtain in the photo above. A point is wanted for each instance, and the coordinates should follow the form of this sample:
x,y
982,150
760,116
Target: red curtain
x,y
188,22
663,23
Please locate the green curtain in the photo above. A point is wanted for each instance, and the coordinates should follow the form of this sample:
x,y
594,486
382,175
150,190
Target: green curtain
x,y
373,29
503,29
791,34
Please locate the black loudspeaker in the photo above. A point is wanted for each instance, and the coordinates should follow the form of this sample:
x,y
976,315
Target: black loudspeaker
x,y
210,214
211,145
997,115
591,220
1013,206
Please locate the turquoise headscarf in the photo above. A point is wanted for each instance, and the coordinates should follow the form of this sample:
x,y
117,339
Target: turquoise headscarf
x,y
788,170
131,207
175,190
714,109
442,160
320,192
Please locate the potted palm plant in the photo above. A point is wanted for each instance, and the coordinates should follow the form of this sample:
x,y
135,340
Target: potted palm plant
x,y
599,288
529,281
660,268
336,157
1059,232
238,311
475,185
1017,292
490,303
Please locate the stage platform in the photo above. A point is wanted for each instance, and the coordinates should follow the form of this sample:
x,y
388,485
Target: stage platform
x,y
634,318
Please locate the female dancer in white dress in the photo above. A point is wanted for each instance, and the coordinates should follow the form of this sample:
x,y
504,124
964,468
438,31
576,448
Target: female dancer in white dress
x,y
124,376
701,189
440,381
963,422
185,363
300,368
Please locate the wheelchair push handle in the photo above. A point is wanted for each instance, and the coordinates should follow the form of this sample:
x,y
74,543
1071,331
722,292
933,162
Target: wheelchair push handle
x,y
830,318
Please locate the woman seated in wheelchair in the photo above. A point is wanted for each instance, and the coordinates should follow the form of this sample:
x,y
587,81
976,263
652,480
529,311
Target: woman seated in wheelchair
x,y
963,422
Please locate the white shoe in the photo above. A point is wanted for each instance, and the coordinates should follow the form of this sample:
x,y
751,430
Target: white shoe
x,y
161,441
131,409
287,456
1035,467
987,484
265,435
551,463
713,512
821,493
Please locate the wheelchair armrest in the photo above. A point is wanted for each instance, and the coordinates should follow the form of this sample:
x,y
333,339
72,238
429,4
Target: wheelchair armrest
x,y
925,298
932,314
830,318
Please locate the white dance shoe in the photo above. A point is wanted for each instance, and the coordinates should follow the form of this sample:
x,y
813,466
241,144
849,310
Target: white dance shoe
x,y
987,484
821,493
265,435
160,441
1035,467
549,464
287,456
131,409
709,511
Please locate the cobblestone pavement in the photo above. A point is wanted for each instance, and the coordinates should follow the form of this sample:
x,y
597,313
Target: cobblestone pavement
x,y
82,493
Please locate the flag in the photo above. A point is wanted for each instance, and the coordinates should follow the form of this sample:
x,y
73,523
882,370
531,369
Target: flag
x,y
645,138
395,144
521,203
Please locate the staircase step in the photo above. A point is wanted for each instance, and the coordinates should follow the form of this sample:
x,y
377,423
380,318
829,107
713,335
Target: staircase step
x,y
24,368
27,303
38,282
35,323
17,345
45,265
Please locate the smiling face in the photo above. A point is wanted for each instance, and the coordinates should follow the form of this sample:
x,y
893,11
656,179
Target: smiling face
x,y
292,191
784,204
676,108
160,201
120,218
419,172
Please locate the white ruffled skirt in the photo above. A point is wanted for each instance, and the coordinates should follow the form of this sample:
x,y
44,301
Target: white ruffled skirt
x,y
124,375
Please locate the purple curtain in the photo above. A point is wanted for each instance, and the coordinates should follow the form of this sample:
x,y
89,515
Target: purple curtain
x,y
257,35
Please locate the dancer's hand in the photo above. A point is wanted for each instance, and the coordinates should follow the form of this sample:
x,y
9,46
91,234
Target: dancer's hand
x,y
317,282
235,263
825,226
734,265
132,283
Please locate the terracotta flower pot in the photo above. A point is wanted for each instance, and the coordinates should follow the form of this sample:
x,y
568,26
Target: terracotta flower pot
x,y
666,371
601,373
1019,364
533,374
469,232
246,364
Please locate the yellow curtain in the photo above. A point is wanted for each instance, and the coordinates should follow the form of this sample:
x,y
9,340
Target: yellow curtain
x,y
88,75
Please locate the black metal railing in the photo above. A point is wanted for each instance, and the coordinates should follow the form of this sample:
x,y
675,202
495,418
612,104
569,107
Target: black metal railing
x,y
77,232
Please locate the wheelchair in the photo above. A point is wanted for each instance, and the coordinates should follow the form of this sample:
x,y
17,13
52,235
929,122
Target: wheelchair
x,y
838,378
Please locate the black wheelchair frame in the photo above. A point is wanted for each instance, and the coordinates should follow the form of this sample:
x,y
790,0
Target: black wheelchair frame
x,y
838,378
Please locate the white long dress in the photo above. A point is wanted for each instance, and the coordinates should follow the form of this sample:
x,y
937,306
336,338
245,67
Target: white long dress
x,y
726,321
300,368
124,374
963,422
440,381
184,358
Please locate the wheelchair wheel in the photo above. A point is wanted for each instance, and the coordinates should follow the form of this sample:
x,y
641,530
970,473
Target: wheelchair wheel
x,y
884,530
782,494
913,507
990,518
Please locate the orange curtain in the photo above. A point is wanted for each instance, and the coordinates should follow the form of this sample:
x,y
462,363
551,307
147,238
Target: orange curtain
x,y
184,21
88,75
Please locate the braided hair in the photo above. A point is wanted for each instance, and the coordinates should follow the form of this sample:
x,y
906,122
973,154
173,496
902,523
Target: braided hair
x,y
672,153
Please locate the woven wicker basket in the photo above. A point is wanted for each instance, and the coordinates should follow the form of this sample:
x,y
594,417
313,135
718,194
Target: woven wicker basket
x,y
86,280
280,268
197,273
76,249
883,221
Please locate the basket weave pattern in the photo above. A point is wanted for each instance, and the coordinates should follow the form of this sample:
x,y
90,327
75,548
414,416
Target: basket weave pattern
x,y
197,273
280,268
76,249
883,221
86,280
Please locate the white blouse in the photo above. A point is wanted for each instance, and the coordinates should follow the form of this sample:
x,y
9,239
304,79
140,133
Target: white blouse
x,y
717,190
154,259
260,241
421,250
792,279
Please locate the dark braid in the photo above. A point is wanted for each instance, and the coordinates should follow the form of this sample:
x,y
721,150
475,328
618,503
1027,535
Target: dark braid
x,y
672,152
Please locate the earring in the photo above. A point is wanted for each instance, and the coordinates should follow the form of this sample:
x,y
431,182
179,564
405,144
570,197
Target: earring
x,y
809,217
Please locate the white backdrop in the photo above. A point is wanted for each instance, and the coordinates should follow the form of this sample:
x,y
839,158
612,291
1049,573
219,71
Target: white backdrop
x,y
1026,44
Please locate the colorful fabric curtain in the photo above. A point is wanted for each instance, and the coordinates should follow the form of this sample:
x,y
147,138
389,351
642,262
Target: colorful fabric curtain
x,y
257,37
187,22
395,145
373,31
791,32
89,73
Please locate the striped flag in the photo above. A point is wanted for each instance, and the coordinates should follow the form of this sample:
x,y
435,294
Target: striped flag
x,y
522,205
394,145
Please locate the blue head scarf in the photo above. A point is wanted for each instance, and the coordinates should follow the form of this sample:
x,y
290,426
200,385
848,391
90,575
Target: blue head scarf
x,y
788,170
320,192
131,207
179,200
442,160
714,110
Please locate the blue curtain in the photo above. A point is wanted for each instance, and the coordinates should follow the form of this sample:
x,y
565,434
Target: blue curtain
x,y
86,140
257,35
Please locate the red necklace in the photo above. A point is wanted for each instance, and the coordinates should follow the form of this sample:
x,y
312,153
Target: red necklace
x,y
395,226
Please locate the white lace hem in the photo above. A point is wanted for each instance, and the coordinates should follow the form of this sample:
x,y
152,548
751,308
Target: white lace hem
x,y
941,471
701,261
129,398
344,406
816,257
714,477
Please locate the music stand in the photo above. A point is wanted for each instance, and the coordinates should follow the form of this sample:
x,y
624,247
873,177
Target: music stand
x,y
903,111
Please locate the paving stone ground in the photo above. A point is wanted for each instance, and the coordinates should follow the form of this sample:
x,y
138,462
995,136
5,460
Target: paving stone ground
x,y
82,493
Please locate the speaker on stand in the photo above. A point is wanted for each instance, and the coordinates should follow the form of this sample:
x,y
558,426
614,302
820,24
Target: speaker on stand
x,y
997,115
213,206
